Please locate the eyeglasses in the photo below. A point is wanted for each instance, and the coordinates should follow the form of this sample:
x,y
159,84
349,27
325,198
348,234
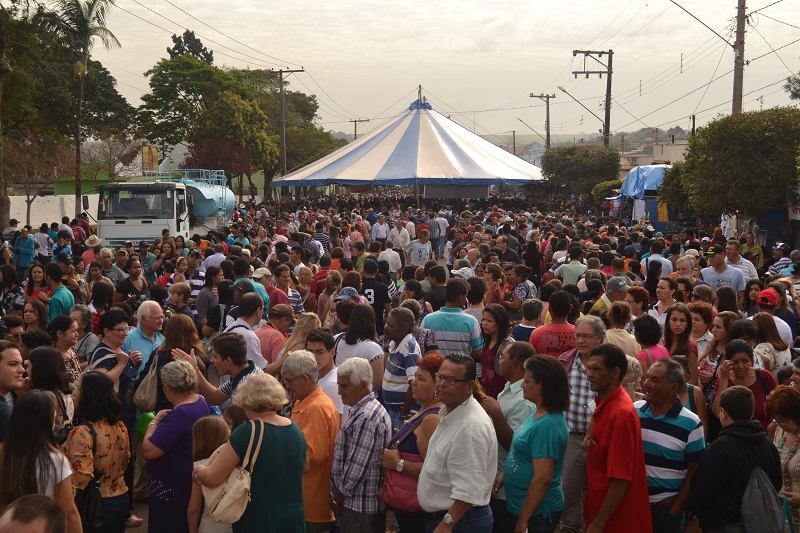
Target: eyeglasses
x,y
584,336
120,330
287,382
14,335
450,380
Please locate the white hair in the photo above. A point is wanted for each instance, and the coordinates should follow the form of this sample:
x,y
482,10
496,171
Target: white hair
x,y
106,251
146,309
358,370
301,362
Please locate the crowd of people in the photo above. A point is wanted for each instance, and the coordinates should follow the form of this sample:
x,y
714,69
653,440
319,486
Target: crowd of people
x,y
507,367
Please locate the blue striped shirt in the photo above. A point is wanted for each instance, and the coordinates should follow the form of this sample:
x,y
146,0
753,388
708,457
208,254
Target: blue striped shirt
x,y
671,441
455,330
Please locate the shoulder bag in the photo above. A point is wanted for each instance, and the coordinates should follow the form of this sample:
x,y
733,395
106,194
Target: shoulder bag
x,y
88,500
400,490
60,435
146,395
228,501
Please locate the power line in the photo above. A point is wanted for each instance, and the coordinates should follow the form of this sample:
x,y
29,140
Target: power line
x,y
773,51
231,38
765,7
709,28
779,21
643,27
712,77
265,62
770,47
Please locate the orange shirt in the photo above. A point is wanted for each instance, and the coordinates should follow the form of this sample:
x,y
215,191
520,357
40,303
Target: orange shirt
x,y
318,419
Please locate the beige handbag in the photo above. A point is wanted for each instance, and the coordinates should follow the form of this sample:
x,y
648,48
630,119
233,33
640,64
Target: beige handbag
x,y
227,502
146,395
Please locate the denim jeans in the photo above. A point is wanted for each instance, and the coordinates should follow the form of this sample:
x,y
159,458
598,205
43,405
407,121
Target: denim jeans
x,y
116,509
541,523
476,520
663,522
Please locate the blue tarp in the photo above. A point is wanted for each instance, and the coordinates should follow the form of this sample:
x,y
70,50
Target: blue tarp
x,y
641,179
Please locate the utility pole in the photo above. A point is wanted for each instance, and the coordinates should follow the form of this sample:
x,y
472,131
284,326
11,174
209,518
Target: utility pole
x,y
355,126
546,98
514,142
283,120
738,59
608,70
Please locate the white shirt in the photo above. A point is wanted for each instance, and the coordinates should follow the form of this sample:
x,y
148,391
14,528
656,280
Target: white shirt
x,y
215,260
461,462
368,350
400,238
746,267
783,329
253,344
61,469
330,387
393,258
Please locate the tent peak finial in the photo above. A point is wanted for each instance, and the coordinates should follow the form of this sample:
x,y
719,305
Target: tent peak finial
x,y
420,104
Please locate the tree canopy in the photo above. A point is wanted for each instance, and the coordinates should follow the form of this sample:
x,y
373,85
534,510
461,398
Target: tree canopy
x,y
580,168
191,45
741,163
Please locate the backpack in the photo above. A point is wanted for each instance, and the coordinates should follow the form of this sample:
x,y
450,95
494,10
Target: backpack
x,y
220,329
762,509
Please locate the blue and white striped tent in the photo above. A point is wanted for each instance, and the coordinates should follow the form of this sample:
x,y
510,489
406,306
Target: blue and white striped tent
x,y
420,147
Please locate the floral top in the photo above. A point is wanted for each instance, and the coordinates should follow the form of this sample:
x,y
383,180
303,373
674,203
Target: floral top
x,y
72,364
14,300
111,456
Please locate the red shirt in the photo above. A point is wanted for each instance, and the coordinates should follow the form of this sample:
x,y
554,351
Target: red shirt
x,y
616,452
318,281
553,339
277,296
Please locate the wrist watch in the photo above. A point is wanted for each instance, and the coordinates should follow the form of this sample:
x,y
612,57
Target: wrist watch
x,y
399,466
448,519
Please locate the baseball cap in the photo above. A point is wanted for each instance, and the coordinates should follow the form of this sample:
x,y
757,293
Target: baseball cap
x,y
345,293
618,283
244,286
144,243
768,297
705,239
691,252
783,247
261,272
630,250
64,257
195,251
281,311
464,272
370,267
716,249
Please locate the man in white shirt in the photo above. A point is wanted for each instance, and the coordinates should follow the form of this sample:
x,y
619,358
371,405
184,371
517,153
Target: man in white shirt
x,y
218,256
380,230
393,258
251,307
399,235
733,257
455,484
320,342
656,248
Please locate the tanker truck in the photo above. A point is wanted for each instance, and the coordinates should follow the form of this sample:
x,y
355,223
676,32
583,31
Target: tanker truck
x,y
184,201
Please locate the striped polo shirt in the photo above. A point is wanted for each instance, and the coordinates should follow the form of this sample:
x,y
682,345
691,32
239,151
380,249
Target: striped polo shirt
x,y
455,330
671,441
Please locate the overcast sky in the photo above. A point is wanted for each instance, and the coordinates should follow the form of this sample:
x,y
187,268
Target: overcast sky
x,y
472,57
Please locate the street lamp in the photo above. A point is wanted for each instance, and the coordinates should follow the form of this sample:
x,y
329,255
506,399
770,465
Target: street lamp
x,y
603,131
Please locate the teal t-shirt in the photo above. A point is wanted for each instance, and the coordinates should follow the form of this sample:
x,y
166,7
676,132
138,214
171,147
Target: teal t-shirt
x,y
60,303
537,438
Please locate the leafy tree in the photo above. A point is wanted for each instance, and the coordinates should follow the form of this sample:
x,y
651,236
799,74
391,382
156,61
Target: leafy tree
x,y
672,191
580,168
792,86
746,163
191,45
107,155
219,154
605,189
180,91
80,22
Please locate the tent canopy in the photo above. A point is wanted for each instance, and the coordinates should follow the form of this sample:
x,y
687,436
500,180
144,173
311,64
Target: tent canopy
x,y
641,179
420,147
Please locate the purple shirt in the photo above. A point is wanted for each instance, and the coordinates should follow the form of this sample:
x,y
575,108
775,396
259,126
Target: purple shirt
x,y
171,474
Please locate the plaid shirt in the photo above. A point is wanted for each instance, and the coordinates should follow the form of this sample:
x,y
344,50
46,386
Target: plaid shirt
x,y
356,466
581,395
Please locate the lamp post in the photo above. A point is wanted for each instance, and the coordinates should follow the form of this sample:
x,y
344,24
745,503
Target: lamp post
x,y
605,134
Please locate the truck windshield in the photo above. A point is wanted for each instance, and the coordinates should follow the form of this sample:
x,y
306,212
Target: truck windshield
x,y
137,203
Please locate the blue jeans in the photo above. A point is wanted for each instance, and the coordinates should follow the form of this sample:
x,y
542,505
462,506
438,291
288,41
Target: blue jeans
x,y
476,520
116,509
541,523
663,522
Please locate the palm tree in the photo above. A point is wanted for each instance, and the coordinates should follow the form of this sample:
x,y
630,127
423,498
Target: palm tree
x,y
80,22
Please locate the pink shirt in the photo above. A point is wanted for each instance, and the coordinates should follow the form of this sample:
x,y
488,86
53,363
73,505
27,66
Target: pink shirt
x,y
657,352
